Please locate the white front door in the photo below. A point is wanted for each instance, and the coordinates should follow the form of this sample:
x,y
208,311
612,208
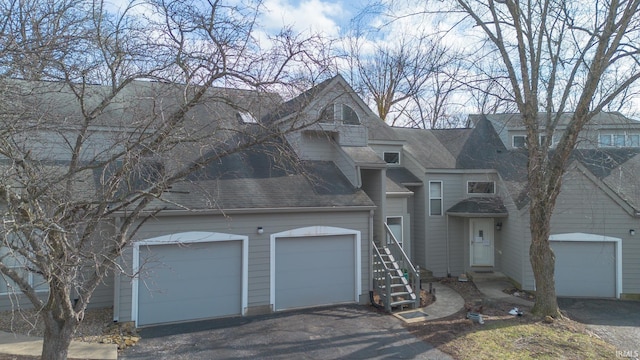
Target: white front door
x,y
481,241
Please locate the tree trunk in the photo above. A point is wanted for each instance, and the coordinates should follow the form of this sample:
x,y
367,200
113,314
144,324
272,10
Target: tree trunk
x,y
543,264
57,336
542,258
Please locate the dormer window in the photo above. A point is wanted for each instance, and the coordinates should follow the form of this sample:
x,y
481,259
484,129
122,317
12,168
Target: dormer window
x,y
619,140
339,113
520,141
392,157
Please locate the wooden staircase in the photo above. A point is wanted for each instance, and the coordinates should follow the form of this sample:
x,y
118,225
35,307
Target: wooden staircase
x,y
400,293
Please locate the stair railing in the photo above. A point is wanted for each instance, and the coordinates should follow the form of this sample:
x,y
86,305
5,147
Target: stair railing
x,y
413,275
381,277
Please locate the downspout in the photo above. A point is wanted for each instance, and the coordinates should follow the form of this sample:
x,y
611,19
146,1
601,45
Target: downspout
x,y
371,245
448,263
116,287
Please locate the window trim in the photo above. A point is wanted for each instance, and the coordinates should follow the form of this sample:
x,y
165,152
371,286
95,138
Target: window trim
x,y
481,193
441,197
384,157
626,136
513,141
401,240
18,265
12,289
541,138
338,112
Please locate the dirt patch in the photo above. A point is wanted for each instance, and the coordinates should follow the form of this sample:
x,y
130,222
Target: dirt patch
x,y
450,334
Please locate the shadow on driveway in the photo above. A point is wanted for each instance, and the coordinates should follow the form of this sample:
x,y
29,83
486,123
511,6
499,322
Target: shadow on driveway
x,y
343,332
616,321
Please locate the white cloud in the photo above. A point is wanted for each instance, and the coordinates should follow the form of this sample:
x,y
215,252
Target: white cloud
x,y
307,16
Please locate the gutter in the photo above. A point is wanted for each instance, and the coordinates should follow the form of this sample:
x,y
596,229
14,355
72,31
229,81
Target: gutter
x,y
253,210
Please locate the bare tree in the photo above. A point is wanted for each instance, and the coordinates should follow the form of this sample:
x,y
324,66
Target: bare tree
x,y
84,140
405,80
559,57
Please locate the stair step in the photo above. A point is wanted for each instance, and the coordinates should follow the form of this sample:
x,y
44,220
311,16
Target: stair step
x,y
392,286
402,302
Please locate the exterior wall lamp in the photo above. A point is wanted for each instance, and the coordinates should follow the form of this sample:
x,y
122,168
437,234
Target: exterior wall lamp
x,y
632,232
499,225
260,230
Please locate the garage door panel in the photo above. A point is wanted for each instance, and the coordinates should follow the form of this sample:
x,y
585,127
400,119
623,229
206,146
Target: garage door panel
x,y
585,268
186,282
313,271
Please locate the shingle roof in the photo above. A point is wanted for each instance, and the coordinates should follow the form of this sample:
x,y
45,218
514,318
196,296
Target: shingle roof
x,y
475,206
425,148
402,176
316,184
515,120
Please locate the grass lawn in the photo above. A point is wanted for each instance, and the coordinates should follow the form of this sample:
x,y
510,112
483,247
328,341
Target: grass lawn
x,y
535,340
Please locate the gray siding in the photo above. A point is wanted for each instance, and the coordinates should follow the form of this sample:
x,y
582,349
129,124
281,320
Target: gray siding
x,y
584,207
436,226
259,244
373,183
511,253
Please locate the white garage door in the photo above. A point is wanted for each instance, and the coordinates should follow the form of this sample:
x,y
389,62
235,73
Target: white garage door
x,y
314,270
189,281
584,268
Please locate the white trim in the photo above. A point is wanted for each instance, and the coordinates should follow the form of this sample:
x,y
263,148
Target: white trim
x,y
489,221
392,163
583,237
186,238
313,231
513,144
386,220
481,193
441,198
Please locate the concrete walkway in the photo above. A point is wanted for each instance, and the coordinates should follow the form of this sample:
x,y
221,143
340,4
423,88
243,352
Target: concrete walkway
x,y
492,284
16,344
448,302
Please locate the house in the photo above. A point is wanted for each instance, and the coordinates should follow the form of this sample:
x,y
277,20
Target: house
x,y
473,210
346,203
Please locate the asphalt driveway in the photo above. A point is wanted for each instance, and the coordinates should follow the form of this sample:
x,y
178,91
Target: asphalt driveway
x,y
617,322
343,332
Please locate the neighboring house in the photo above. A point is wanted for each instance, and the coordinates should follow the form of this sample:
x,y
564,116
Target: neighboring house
x,y
265,232
473,209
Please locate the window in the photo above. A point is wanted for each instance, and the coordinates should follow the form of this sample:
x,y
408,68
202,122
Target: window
x,y
619,140
328,114
392,157
16,262
481,187
435,198
395,225
519,141
349,115
339,112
